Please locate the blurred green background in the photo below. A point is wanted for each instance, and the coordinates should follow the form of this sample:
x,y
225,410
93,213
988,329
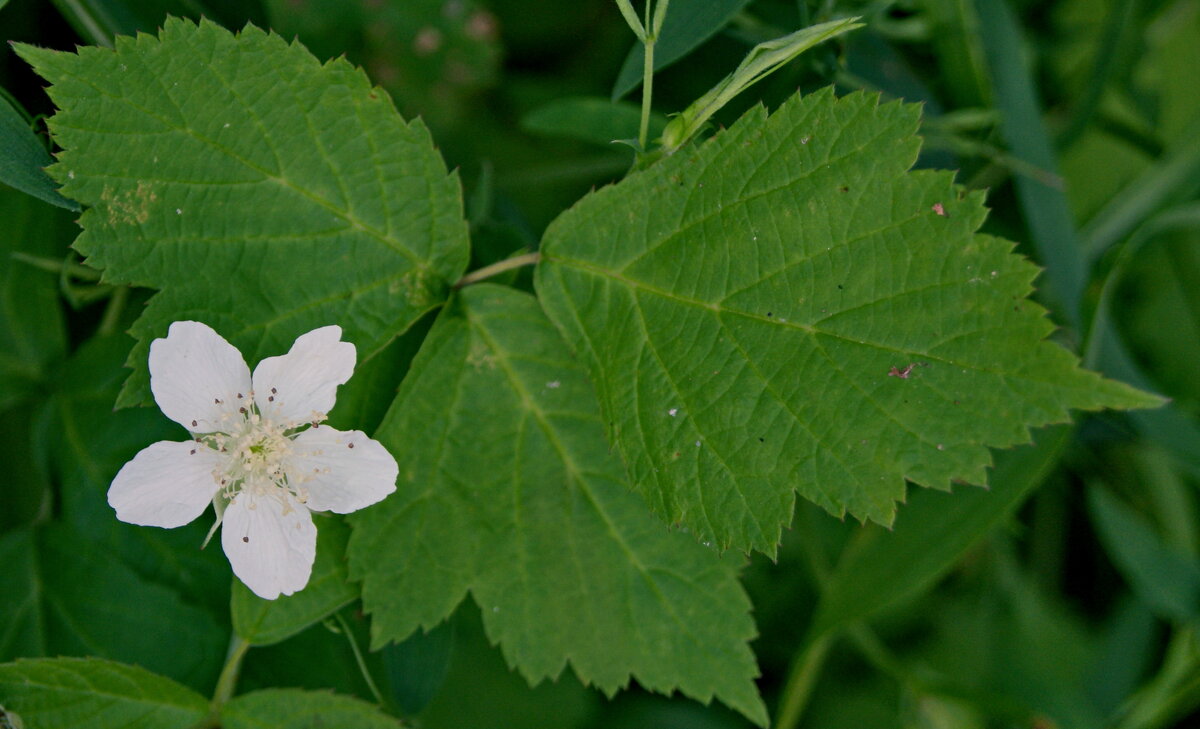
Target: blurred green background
x,y
1070,599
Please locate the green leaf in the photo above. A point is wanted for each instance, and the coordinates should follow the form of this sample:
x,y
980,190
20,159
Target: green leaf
x,y
263,192
1167,580
763,60
263,622
688,24
508,489
933,530
417,666
788,308
1044,206
23,162
481,692
68,693
32,331
295,709
68,596
84,443
590,119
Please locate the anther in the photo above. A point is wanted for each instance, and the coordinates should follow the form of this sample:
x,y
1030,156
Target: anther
x,y
349,445
240,410
217,400
246,539
193,423
239,396
273,391
271,398
193,452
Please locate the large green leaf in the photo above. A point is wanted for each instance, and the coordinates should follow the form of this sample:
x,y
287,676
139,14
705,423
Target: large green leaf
x,y
69,693
295,709
508,489
263,622
263,192
788,308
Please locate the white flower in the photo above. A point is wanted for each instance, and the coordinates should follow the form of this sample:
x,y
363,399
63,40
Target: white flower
x,y
258,451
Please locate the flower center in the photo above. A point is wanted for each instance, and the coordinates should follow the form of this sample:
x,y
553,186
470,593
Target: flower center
x,y
256,453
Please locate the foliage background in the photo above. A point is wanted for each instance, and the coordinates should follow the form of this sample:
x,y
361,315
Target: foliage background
x,y
1075,609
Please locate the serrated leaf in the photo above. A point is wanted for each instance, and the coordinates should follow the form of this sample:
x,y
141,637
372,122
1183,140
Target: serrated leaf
x,y
295,709
68,693
507,489
818,318
263,622
264,193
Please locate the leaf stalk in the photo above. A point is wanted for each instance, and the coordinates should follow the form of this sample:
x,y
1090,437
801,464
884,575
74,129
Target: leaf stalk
x,y
527,259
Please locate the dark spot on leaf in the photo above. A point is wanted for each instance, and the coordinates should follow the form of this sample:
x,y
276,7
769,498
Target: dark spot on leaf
x,y
843,188
769,314
760,440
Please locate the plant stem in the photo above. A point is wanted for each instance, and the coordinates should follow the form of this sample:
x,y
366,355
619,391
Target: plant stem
x,y
358,658
113,311
647,87
53,265
527,259
800,681
229,674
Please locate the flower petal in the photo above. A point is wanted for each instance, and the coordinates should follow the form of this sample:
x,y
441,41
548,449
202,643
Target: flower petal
x,y
297,387
270,542
341,471
196,377
167,484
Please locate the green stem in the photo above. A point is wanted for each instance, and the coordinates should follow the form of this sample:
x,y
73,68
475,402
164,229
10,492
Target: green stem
x,y
800,681
358,658
54,265
647,89
527,259
113,311
229,674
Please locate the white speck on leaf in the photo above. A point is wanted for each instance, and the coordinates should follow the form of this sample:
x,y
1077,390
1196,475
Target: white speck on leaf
x,y
553,384
672,412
